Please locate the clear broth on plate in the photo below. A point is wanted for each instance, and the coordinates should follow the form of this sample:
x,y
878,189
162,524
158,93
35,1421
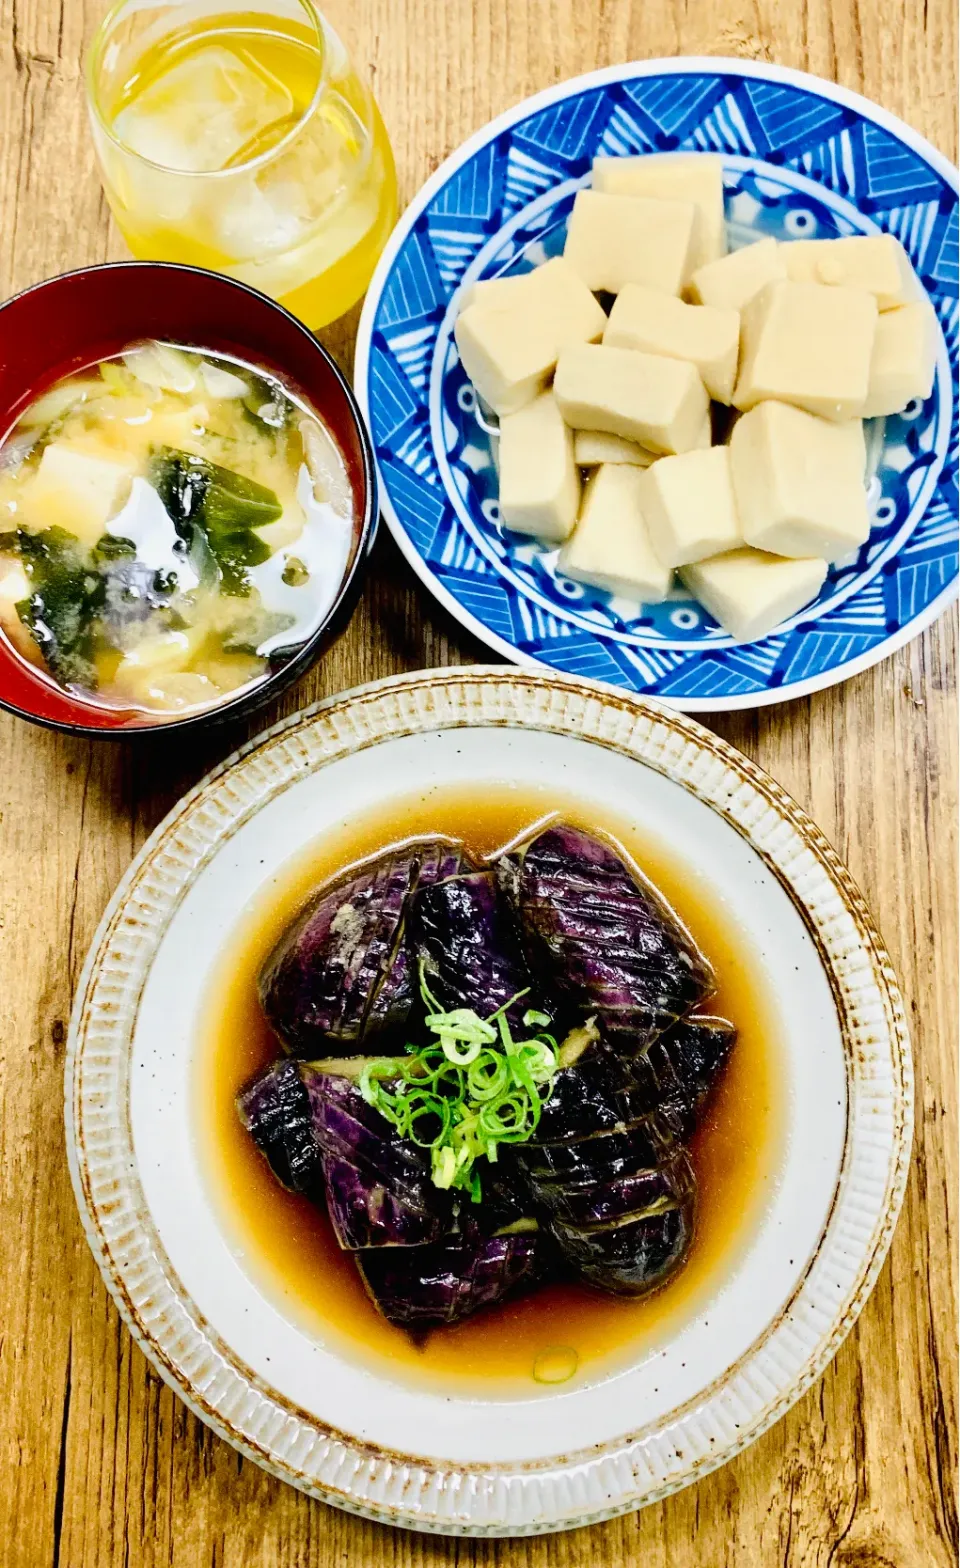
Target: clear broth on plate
x,y
287,1245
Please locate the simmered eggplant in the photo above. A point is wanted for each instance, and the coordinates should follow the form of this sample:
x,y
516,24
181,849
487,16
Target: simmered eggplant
x,y
320,1137
465,936
425,1286
275,1109
368,1210
630,1256
472,1162
681,1068
341,972
600,1157
601,939
642,1191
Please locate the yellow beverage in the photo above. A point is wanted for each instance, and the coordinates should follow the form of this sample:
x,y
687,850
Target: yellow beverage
x,y
242,140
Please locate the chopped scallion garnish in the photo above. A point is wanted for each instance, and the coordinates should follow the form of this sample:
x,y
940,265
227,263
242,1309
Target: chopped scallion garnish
x,y
473,1088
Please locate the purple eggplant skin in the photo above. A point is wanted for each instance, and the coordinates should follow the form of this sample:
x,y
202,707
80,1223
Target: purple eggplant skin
x,y
682,1068
601,939
368,1212
465,936
341,971
642,1191
631,1257
642,1144
275,1109
423,1287
323,1140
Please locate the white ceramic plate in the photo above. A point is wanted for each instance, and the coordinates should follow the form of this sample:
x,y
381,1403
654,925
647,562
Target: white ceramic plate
x,y
348,1432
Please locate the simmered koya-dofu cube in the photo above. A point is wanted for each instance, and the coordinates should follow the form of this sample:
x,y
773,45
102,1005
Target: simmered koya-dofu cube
x,y
659,402
732,282
593,447
799,482
689,506
904,358
613,240
660,324
750,592
610,547
539,479
809,344
696,177
509,339
876,263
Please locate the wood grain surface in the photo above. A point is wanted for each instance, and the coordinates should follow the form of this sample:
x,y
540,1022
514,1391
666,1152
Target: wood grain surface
x,y
100,1466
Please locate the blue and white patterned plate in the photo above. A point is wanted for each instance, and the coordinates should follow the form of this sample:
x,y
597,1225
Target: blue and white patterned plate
x,y
802,158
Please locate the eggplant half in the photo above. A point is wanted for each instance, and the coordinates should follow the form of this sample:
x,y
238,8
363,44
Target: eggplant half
x,y
323,1140
341,972
602,939
631,1255
681,1068
464,934
422,1287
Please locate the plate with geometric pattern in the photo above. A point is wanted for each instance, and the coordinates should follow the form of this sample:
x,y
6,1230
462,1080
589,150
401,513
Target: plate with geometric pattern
x,y
802,158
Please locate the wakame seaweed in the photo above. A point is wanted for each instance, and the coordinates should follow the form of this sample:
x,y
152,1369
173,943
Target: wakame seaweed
x,y
223,506
67,593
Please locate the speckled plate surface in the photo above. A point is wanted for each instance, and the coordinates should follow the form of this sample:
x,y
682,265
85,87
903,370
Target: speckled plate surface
x,y
344,1429
802,159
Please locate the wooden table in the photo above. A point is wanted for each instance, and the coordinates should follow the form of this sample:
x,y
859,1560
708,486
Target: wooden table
x,y
100,1466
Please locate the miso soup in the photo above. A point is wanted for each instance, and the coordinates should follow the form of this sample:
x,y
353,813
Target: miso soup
x,y
173,525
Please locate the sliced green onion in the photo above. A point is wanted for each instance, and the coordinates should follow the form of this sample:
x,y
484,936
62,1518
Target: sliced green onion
x,y
480,1086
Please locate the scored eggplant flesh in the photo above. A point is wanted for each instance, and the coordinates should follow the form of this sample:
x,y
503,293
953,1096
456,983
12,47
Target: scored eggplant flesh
x,y
322,1139
464,934
602,1090
682,1067
366,1211
341,971
641,1191
601,939
647,1142
275,1109
632,1256
422,1287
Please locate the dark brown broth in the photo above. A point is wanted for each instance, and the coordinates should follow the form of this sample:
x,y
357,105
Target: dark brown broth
x,y
288,1246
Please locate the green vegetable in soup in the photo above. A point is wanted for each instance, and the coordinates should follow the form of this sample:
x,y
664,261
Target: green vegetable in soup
x,y
267,403
66,595
224,507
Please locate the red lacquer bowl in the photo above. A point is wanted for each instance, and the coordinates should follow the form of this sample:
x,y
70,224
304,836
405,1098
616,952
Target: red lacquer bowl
x,y
74,320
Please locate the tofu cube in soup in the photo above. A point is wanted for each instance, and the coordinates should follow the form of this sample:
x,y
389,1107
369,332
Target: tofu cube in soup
x,y
809,344
732,282
750,592
593,447
799,482
876,263
611,546
904,358
696,177
659,402
689,506
614,240
76,491
646,319
509,348
539,478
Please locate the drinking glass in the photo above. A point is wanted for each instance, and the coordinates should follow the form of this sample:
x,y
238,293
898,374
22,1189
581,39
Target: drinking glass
x,y
238,137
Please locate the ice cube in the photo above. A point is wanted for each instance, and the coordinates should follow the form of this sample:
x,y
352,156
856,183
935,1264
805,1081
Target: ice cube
x,y
199,115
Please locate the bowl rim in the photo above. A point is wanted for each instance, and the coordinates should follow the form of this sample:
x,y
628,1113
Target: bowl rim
x,y
625,1472
548,97
244,703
